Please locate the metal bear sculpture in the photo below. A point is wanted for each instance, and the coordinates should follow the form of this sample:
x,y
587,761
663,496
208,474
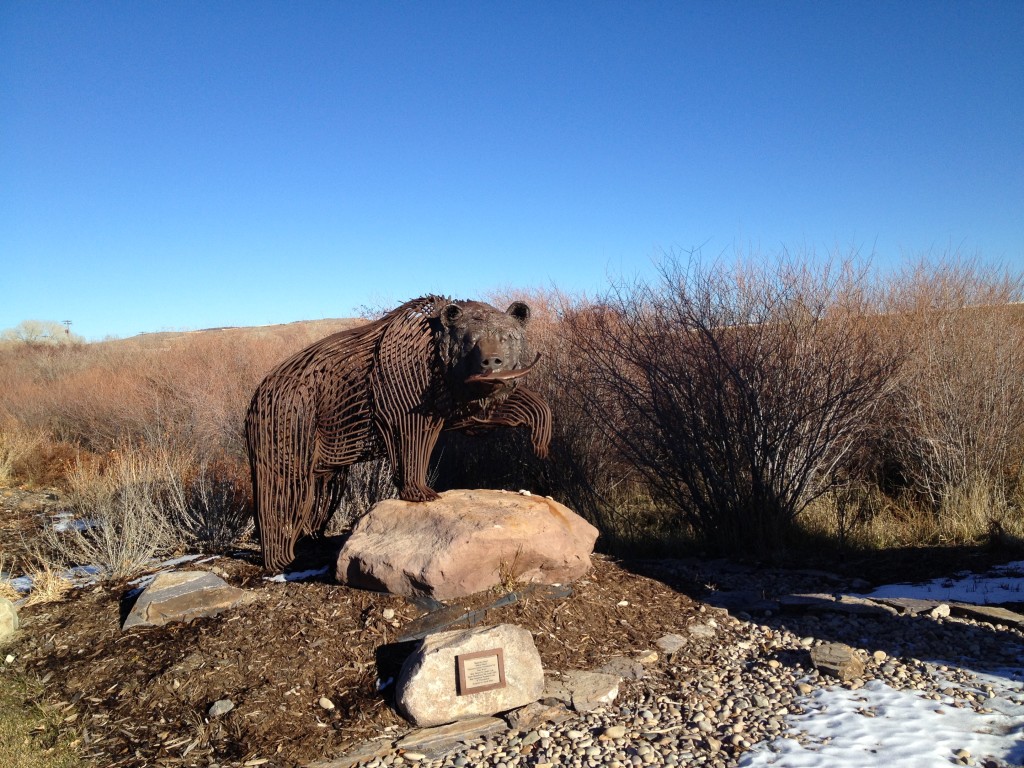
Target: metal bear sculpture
x,y
387,388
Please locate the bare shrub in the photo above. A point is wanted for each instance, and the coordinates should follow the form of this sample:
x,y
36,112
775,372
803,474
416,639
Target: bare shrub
x,y
120,522
209,504
739,393
958,427
586,470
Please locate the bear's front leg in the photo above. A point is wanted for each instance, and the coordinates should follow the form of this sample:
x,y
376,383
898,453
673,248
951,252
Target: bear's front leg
x,y
537,414
522,408
421,492
410,444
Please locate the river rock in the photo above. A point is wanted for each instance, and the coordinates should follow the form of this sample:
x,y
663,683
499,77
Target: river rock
x,y
585,691
182,596
221,707
427,691
8,618
465,542
670,643
838,660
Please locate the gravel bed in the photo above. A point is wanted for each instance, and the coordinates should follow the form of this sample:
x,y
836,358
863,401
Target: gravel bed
x,y
710,715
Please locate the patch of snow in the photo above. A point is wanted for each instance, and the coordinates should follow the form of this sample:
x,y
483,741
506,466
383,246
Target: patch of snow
x,y
879,725
66,521
86,575
79,576
21,583
82,573
281,578
1002,584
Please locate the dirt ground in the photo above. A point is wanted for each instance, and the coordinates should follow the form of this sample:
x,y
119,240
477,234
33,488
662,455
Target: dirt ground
x,y
141,697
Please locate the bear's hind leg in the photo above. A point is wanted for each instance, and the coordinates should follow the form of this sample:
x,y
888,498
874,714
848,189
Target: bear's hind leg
x,y
329,490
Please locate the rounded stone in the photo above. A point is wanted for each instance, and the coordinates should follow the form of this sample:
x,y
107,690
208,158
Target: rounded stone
x,y
8,618
221,707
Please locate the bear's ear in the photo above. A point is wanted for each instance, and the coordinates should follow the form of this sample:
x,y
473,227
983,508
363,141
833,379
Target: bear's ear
x,y
519,311
450,315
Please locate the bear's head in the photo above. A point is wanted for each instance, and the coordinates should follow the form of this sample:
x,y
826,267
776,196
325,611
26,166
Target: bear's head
x,y
484,348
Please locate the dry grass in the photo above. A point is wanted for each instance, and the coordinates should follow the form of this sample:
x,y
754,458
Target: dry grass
x,y
7,592
48,586
867,519
30,732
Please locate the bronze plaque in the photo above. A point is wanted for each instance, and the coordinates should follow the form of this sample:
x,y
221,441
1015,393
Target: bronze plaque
x,y
480,671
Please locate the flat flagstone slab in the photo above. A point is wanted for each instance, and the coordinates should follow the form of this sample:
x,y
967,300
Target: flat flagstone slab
x,y
441,739
182,596
585,691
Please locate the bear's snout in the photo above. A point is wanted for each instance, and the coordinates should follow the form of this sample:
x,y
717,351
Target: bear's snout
x,y
489,357
492,360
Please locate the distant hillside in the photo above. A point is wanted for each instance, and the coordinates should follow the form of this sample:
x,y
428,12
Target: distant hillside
x,y
282,331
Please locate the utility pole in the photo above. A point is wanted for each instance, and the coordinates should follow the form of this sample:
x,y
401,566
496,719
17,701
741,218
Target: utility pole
x,y
67,327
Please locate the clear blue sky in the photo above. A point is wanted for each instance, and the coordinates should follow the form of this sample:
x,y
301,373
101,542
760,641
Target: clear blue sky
x,y
171,165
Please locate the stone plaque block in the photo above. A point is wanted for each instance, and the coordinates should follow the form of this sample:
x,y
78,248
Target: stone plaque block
x,y
428,691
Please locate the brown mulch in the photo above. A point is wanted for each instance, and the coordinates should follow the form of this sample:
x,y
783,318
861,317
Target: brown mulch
x,y
141,697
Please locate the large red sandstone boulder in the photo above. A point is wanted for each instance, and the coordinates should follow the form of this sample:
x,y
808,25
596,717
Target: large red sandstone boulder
x,y
465,542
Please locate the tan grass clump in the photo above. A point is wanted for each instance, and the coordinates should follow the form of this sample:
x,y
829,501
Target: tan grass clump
x,y
48,586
